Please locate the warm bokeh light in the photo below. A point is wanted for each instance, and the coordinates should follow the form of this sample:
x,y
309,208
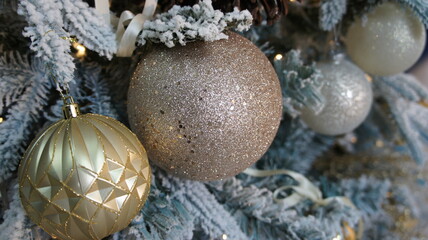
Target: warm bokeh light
x,y
81,50
278,57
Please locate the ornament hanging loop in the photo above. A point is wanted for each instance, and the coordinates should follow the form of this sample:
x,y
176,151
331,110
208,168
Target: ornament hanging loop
x,y
336,52
70,108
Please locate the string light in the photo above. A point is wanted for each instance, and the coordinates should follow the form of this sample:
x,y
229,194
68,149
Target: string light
x,y
379,143
81,50
370,79
278,57
424,103
338,237
1,119
224,237
348,232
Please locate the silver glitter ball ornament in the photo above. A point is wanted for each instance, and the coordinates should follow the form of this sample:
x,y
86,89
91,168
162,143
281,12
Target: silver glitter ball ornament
x,y
207,110
348,99
389,40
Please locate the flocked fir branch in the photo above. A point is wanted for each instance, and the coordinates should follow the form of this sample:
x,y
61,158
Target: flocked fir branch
x,y
331,13
47,20
275,220
269,10
407,99
99,98
89,27
252,201
296,147
186,24
377,127
299,83
113,71
367,193
209,214
261,10
419,7
161,218
16,225
402,195
45,29
25,90
379,193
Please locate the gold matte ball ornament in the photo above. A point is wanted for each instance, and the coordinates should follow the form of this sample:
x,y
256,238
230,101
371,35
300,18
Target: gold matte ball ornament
x,y
84,177
207,110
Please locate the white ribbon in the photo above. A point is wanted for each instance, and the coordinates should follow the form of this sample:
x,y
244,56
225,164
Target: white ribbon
x,y
304,190
128,25
102,7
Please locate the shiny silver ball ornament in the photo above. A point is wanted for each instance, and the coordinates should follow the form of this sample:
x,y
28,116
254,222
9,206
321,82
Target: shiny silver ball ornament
x,y
348,99
389,41
207,110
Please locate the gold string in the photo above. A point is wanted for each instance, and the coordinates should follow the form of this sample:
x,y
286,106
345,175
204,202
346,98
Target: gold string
x,y
70,39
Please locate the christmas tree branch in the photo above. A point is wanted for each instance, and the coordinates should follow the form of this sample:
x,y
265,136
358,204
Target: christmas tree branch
x,y
186,24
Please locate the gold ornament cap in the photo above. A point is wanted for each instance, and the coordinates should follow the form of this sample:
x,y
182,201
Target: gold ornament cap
x,y
70,108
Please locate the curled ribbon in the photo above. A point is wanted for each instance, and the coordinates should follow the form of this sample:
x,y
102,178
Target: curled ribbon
x,y
128,25
304,190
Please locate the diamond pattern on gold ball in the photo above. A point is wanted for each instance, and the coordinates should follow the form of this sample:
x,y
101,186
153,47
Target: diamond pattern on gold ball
x,y
84,178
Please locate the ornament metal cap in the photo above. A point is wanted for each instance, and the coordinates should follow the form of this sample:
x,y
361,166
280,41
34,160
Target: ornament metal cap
x,y
70,108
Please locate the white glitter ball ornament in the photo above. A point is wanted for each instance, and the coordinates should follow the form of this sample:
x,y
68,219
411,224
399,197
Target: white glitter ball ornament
x,y
389,40
348,95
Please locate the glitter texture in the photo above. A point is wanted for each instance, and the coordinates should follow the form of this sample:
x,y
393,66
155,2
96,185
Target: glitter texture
x,y
205,111
84,178
388,42
348,96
